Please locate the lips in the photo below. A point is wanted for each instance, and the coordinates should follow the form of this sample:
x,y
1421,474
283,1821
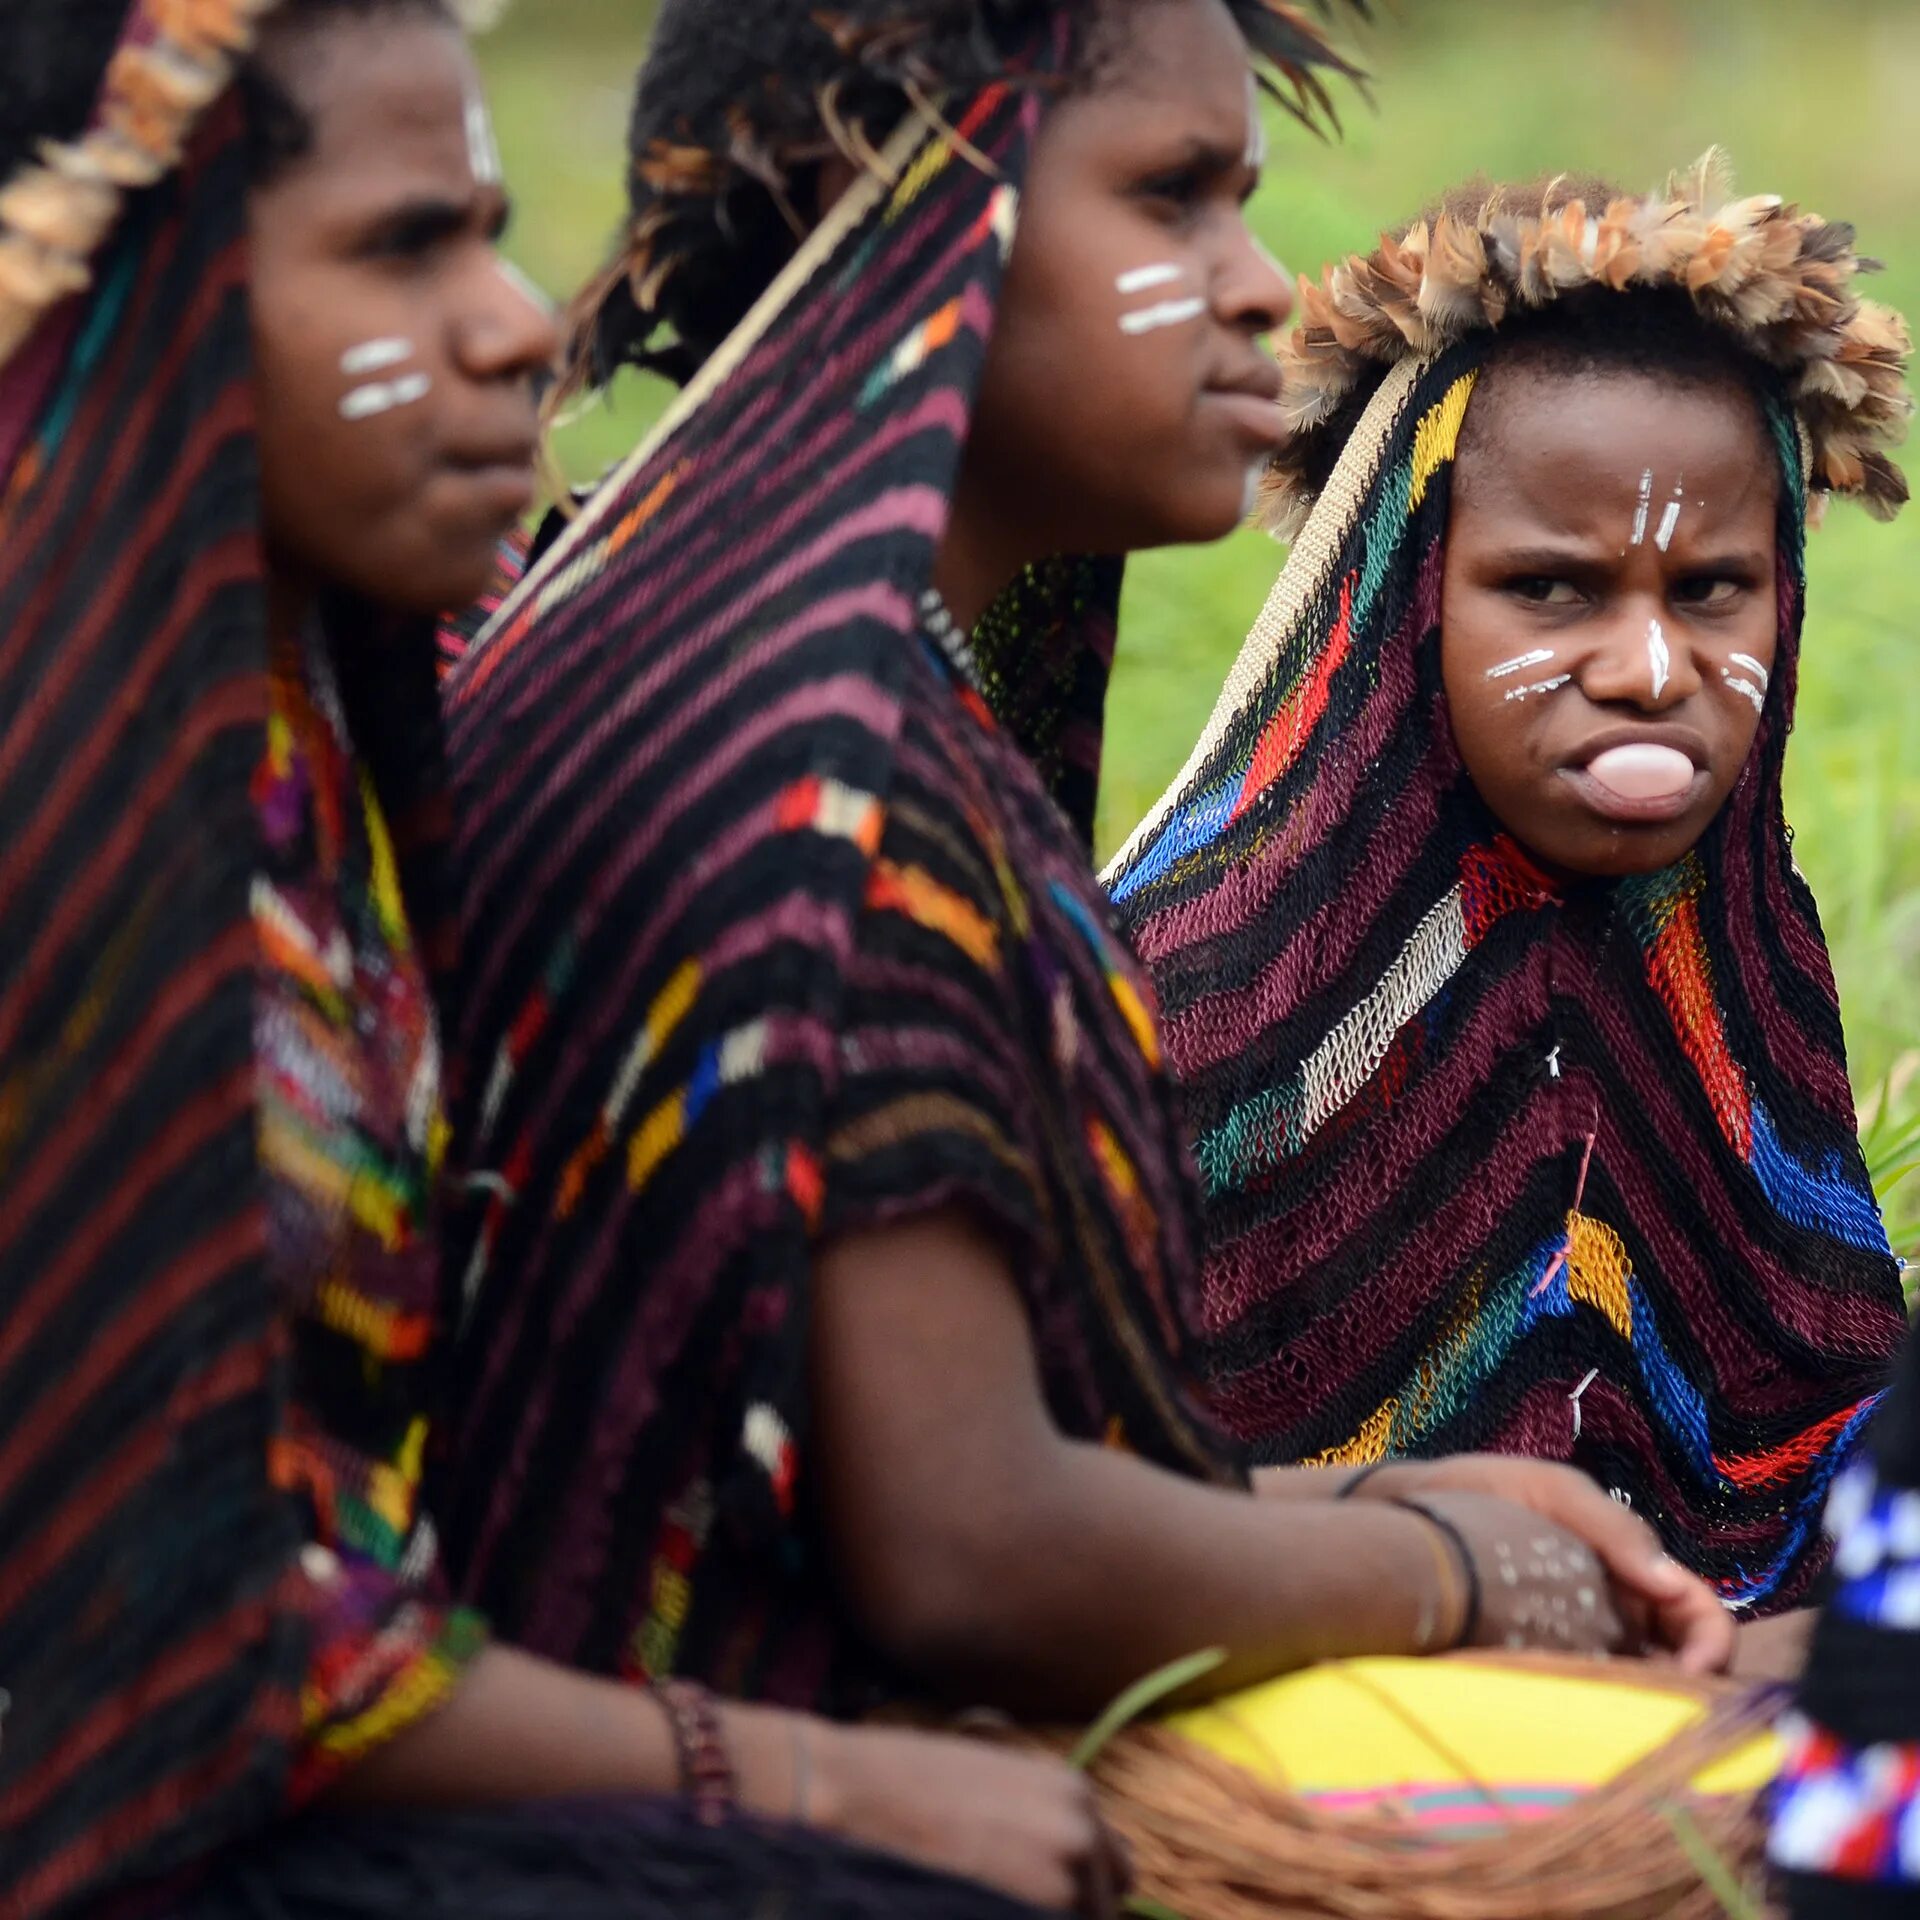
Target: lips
x,y
1252,397
1640,775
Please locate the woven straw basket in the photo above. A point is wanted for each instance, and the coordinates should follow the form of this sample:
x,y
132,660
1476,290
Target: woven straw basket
x,y
1212,1841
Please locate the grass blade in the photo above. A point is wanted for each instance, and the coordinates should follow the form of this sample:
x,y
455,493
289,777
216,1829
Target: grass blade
x,y
1141,1698
1711,1868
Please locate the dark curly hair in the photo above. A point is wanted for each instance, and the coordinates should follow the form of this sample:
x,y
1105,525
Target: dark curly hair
x,y
57,52
741,101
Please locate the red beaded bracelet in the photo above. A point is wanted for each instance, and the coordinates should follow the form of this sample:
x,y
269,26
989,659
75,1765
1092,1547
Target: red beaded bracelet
x,y
707,1777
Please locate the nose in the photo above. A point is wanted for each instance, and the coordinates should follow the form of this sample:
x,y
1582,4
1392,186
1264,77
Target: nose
x,y
509,329
1254,293
1641,661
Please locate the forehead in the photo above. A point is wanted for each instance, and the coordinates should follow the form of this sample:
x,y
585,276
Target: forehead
x,y
388,97
1176,54
1565,446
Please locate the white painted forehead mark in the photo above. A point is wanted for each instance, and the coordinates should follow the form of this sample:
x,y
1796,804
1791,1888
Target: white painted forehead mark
x,y
1169,313
1753,666
1640,512
1670,519
1256,153
1161,273
1539,686
1520,662
372,356
1658,658
383,396
483,150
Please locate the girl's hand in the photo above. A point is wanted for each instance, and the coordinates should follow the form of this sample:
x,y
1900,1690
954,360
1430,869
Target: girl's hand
x,y
1028,1826
1664,1606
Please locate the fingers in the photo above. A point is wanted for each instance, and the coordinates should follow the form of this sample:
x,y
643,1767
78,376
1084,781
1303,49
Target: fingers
x,y
1677,1611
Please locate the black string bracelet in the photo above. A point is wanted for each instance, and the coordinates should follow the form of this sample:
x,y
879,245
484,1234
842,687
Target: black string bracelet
x,y
1469,1572
1355,1481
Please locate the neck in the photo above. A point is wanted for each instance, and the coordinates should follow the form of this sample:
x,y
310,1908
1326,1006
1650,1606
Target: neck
x,y
979,558
290,601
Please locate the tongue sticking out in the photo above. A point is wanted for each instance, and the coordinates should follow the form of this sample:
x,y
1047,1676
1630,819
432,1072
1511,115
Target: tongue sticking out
x,y
1643,772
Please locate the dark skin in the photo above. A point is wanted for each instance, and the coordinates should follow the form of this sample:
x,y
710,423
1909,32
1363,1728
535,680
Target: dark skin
x,y
1542,566
985,1551
384,231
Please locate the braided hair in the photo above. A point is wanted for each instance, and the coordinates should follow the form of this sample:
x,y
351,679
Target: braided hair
x,y
57,52
741,102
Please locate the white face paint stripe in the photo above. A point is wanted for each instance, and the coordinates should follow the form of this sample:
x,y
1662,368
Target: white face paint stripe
x,y
1745,689
374,356
1668,521
1169,313
383,396
1520,662
1646,502
1753,666
1539,686
483,150
1658,658
1256,154
1144,279
528,289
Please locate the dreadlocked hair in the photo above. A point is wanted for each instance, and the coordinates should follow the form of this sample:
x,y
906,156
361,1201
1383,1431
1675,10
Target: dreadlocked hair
x,y
740,103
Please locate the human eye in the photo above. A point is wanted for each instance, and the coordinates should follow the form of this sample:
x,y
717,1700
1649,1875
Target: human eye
x,y
413,234
1544,590
1711,592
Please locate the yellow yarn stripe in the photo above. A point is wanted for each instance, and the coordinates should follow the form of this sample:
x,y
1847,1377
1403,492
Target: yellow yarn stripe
x,y
1598,1270
1366,1446
1437,436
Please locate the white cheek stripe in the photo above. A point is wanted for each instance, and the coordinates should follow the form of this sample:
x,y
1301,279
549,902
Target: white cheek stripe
x,y
1169,313
1539,686
1754,667
1520,662
383,396
1162,273
1745,689
1646,503
374,356
1658,658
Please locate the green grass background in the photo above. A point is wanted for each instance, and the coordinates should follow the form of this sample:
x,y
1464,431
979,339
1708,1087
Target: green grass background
x,y
1815,100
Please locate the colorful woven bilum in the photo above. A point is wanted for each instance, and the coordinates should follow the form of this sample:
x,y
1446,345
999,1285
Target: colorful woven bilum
x,y
1490,1162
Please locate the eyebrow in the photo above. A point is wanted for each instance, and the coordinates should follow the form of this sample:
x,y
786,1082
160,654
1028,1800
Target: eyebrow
x,y
1544,558
432,216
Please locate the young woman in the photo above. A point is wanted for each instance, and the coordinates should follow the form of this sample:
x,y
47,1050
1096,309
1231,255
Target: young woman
x,y
828,1307
1504,1022
266,403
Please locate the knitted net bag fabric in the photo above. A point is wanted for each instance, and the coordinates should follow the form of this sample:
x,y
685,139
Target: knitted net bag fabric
x,y
1491,1163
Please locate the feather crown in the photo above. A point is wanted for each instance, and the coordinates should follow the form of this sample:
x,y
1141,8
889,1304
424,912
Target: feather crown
x,y
1777,281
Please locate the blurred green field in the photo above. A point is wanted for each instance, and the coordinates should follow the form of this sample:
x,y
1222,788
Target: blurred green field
x,y
1815,101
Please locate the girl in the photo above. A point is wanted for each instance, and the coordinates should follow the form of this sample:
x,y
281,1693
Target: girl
x,y
828,1309
266,402
1504,1023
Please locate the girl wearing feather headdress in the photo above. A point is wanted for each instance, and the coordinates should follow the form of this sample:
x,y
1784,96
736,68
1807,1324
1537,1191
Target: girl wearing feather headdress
x,y
1504,1023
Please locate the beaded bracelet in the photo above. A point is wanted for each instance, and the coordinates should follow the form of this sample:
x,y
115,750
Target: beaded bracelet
x,y
1462,1556
707,1777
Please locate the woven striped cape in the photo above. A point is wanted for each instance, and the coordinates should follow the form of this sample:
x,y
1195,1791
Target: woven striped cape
x,y
149,1641
671,755
1491,1165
